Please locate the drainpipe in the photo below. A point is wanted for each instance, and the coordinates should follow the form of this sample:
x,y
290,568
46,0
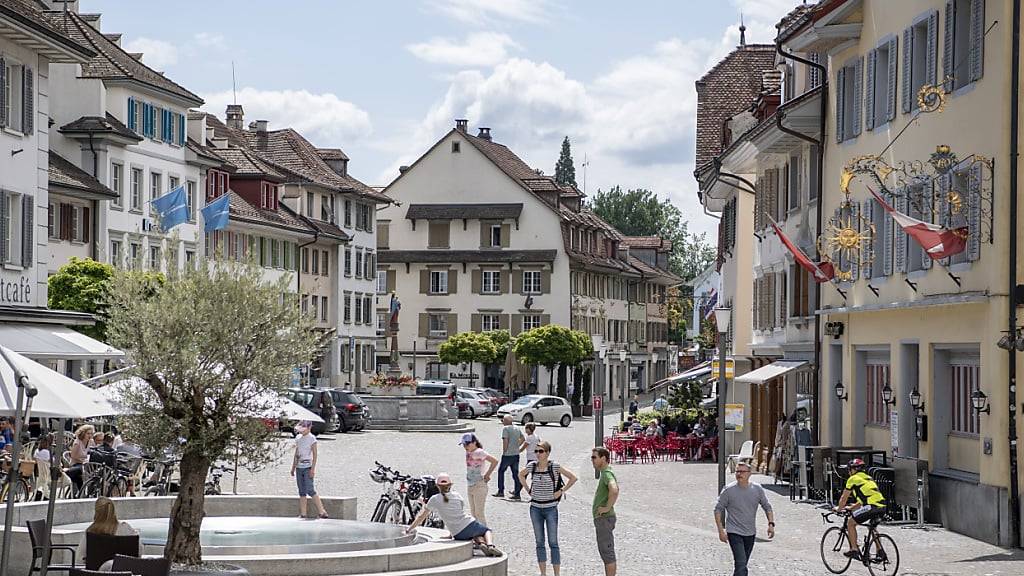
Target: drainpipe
x,y
1012,320
823,73
95,244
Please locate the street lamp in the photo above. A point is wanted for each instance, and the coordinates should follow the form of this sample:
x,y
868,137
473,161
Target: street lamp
x,y
722,316
598,380
915,400
841,391
980,402
887,394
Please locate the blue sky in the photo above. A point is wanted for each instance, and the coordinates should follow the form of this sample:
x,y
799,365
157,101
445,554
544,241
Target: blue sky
x,y
384,80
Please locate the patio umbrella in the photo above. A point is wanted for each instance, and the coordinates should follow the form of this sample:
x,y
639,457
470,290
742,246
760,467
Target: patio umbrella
x,y
517,374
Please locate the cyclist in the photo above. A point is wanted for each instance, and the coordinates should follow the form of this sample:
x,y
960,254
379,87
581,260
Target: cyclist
x,y
868,503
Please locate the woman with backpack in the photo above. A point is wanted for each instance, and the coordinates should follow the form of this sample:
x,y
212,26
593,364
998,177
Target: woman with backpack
x,y
548,482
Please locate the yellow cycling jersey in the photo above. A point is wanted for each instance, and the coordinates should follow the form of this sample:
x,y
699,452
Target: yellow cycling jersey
x,y
864,489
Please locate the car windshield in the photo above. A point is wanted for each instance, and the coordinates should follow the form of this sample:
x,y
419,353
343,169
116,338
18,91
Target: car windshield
x,y
525,400
303,398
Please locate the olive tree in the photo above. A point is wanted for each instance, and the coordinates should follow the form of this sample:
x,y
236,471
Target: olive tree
x,y
214,346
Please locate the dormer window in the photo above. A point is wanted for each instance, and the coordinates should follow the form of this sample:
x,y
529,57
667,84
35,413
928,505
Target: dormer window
x,y
456,147
268,196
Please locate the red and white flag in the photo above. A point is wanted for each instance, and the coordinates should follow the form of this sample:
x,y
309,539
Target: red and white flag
x,y
938,242
821,272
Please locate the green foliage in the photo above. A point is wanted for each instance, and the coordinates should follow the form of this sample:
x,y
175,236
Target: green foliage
x,y
640,213
565,171
686,395
552,345
502,342
215,346
467,347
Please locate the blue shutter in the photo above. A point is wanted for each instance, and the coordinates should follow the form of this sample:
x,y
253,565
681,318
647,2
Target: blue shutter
x,y
3,94
131,114
181,130
145,119
840,104
890,87
900,239
948,64
869,92
858,96
932,57
977,59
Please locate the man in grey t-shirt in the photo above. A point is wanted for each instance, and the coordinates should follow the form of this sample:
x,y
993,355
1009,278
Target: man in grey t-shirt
x,y
511,439
736,516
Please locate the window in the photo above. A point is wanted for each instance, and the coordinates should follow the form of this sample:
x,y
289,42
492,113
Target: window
x,y
18,96
849,92
964,43
348,213
383,235
382,281
357,304
965,377
136,184
877,409
316,262
802,292
491,281
155,181
359,263
325,213
314,305
116,183
115,252
531,321
490,322
305,260
190,257
880,93
920,54
382,321
531,282
81,223
12,226
881,241
134,256
154,257
190,195
438,325
437,371
275,253
370,265
794,180
309,204
51,220
495,235
325,267
347,312
348,261
344,356
368,309
915,253
305,304
456,146
172,182
438,281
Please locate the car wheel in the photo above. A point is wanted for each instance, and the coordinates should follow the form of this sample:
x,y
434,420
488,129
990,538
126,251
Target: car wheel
x,y
342,427
527,418
566,419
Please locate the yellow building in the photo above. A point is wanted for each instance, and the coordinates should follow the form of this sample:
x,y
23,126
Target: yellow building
x,y
901,323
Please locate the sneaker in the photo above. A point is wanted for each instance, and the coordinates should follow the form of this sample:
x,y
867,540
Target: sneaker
x,y
490,550
498,494
322,516
854,554
516,498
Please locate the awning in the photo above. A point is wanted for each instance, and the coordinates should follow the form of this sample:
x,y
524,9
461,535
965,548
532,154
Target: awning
x,y
773,370
53,342
696,372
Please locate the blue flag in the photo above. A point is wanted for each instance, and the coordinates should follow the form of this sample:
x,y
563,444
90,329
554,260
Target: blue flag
x,y
216,214
172,208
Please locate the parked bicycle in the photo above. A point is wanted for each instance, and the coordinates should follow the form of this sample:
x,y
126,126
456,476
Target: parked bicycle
x,y
212,487
158,481
403,497
20,484
878,553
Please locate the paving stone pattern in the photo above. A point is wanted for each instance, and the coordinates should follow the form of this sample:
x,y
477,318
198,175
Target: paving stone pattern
x,y
665,523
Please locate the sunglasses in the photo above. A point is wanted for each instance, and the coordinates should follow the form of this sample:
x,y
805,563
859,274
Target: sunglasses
x,y
538,451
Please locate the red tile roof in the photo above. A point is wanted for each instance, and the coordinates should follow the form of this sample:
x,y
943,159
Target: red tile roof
x,y
649,242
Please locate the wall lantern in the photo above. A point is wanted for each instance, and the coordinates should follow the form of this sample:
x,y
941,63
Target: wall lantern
x,y
841,391
980,402
887,394
915,400
622,355
722,319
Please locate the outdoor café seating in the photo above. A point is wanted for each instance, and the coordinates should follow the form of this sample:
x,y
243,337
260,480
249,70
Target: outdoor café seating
x,y
630,448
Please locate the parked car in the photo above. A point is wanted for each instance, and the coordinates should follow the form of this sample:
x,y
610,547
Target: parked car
x,y
498,398
463,407
479,404
538,408
436,388
352,411
319,402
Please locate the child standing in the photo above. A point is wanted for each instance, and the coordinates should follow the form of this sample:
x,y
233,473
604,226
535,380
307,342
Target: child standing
x,y
530,442
304,468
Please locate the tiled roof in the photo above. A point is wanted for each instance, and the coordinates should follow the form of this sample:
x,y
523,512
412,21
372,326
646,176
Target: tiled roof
x,y
96,125
650,242
587,218
66,175
727,89
326,228
111,61
652,271
795,20
210,154
28,14
444,256
332,154
289,150
248,164
283,217
453,211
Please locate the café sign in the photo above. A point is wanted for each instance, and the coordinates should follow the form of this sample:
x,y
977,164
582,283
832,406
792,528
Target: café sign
x,y
16,290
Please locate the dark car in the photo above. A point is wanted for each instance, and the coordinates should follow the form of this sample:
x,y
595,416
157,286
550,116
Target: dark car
x,y
352,411
319,402
498,398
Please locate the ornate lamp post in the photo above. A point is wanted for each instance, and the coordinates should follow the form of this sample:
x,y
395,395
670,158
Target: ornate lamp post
x,y
722,317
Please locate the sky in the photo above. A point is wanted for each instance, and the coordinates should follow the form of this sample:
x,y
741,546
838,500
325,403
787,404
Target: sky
x,y
385,80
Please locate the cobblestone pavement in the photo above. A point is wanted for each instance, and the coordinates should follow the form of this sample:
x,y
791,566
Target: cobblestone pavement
x,y
665,523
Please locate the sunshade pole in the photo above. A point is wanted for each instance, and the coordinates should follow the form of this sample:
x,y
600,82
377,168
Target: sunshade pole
x,y
55,468
234,475
24,389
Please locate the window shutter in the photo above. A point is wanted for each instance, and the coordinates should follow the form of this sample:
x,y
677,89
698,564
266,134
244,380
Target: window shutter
x,y
977,38
424,325
505,276
485,234
506,235
927,216
86,224
3,226
517,282
907,93
869,92
475,324
545,282
517,324
899,236
503,321
868,248
887,233
545,319
890,88
948,64
758,201
181,130
424,281
931,58
3,94
453,324
453,281
855,222
28,210
840,96
28,124
131,113
813,73
974,212
942,216
858,95
476,281
391,280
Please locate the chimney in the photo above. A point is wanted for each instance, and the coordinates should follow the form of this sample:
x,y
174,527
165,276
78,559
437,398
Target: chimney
x,y
210,133
234,116
70,5
115,38
261,126
402,169
485,133
461,124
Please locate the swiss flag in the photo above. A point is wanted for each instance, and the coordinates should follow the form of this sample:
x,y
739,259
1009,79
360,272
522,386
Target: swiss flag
x,y
821,272
938,242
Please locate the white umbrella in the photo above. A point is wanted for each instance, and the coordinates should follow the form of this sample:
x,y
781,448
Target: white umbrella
x,y
284,408
58,397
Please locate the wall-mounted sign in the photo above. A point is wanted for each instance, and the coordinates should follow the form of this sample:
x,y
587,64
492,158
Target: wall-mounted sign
x,y
16,290
734,417
463,376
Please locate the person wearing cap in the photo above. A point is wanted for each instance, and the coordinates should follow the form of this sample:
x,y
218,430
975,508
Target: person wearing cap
x,y
476,478
868,503
449,505
304,468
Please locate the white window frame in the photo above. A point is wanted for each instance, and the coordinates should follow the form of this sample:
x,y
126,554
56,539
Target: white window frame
x,y
495,235
437,325
116,256
490,281
156,181
154,257
382,281
438,281
531,321
53,220
13,240
532,283
490,322
135,183
117,184
190,196
14,95
134,255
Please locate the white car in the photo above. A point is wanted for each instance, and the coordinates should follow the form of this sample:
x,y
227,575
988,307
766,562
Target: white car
x,y
479,405
538,408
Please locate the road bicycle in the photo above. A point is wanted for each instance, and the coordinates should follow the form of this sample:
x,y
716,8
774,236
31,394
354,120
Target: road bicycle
x,y
403,497
158,482
878,553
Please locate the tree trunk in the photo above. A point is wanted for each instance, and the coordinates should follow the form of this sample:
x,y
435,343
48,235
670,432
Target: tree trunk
x,y
187,513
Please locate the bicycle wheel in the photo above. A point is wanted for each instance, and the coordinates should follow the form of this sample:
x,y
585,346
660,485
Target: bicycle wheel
x,y
92,489
378,511
155,491
885,556
117,488
393,512
833,545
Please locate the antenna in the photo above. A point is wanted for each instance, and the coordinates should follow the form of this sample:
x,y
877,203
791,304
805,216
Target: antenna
x,y
234,96
585,164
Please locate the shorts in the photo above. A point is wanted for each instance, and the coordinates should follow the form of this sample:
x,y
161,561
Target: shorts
x,y
305,482
868,513
473,530
605,527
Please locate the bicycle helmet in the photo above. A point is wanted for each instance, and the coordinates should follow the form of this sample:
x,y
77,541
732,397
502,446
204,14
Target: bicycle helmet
x,y
856,464
377,476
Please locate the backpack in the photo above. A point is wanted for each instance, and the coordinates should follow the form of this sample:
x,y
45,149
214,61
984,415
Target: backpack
x,y
556,478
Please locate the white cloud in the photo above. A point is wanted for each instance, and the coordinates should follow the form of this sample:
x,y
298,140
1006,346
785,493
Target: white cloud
x,y
210,40
479,49
490,11
156,54
324,119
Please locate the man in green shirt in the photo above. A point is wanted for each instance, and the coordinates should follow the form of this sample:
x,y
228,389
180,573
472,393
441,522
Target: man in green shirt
x,y
604,508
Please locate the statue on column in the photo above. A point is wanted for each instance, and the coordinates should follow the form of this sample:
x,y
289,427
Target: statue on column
x,y
394,307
